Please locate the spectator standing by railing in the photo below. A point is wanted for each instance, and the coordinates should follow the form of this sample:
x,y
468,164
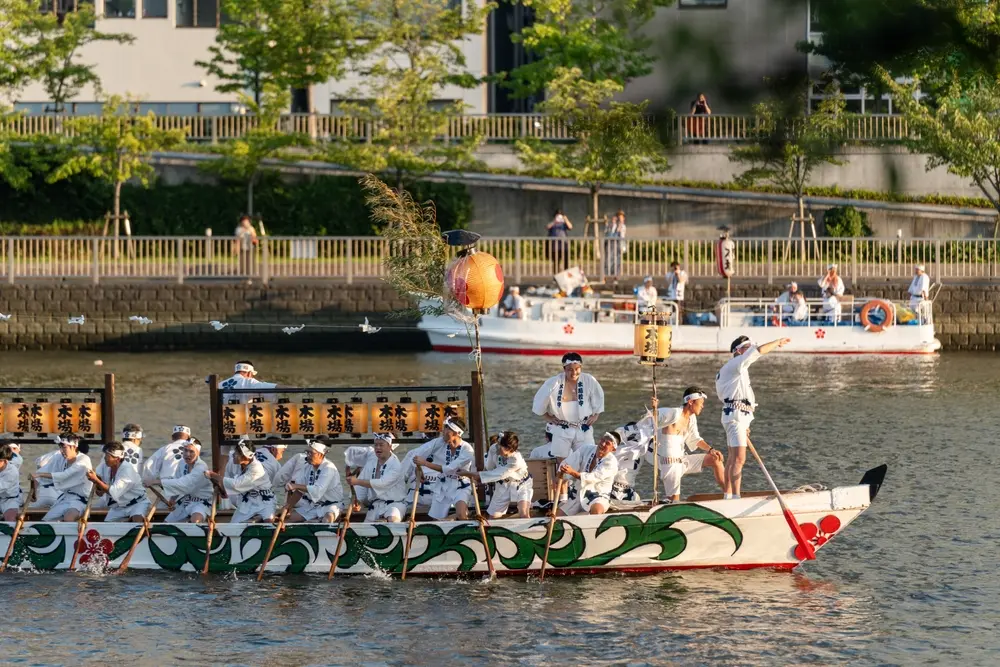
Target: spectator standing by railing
x,y
558,230
244,246
614,245
699,108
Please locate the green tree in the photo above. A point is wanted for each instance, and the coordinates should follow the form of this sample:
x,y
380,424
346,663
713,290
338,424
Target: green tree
x,y
787,145
600,37
56,41
15,70
958,130
418,54
243,159
115,147
287,43
613,142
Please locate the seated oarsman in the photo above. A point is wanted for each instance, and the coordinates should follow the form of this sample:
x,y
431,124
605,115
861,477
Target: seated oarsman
x,y
189,491
507,471
15,448
591,471
427,482
132,442
119,486
453,455
679,453
630,455
45,492
167,461
570,403
250,490
270,456
69,479
319,483
288,470
245,377
381,485
10,483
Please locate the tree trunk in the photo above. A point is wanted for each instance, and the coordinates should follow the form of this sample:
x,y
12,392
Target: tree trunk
x,y
250,194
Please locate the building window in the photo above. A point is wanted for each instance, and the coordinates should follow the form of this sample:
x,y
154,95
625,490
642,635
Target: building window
x,y
154,9
197,13
62,6
814,24
702,3
119,9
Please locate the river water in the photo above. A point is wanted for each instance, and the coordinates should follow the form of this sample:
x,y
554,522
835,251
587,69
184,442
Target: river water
x,y
912,581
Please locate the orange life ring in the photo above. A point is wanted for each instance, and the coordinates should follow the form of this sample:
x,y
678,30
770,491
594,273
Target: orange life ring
x,y
866,322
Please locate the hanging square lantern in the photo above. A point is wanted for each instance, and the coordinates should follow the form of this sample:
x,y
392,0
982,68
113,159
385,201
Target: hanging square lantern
x,y
234,419
284,417
653,338
406,416
356,416
259,419
33,418
383,415
431,414
308,418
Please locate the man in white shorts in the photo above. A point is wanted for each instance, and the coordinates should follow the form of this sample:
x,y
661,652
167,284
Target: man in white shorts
x,y
570,403
319,483
189,491
732,384
591,472
381,485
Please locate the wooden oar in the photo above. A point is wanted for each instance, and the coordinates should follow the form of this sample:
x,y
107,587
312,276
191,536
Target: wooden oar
x,y
211,529
344,525
800,537
552,525
289,504
413,520
138,536
482,530
82,523
19,524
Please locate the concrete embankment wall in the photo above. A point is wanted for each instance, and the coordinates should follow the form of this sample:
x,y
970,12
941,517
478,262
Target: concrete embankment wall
x,y
968,317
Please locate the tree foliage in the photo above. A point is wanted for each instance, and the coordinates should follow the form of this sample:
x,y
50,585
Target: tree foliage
x,y
15,69
787,145
600,37
418,54
613,142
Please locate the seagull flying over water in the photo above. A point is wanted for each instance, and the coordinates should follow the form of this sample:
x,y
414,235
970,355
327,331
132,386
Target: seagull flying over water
x,y
217,325
6,317
367,328
291,330
78,320
140,319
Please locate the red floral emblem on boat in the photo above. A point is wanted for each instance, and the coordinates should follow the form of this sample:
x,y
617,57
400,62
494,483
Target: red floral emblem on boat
x,y
820,333
568,328
94,547
818,533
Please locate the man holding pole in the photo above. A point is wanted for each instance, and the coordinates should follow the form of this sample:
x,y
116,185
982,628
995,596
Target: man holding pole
x,y
732,384
119,484
570,402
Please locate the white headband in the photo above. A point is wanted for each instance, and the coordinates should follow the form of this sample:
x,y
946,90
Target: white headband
x,y
132,435
276,445
118,452
182,429
695,396
318,446
245,368
615,437
66,440
192,443
387,439
244,447
449,424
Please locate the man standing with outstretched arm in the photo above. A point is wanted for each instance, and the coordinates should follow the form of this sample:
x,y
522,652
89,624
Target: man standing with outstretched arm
x,y
570,403
732,384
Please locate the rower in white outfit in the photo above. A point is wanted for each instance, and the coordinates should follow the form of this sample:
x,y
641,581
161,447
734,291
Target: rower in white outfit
x,y
319,483
646,296
919,291
45,491
570,403
630,454
132,442
288,471
118,485
681,441
70,480
250,489
380,486
15,449
270,456
732,384
453,455
507,471
168,460
10,483
190,491
245,377
591,471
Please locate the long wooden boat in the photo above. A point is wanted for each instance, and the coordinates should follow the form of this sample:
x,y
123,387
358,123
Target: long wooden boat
x,y
705,532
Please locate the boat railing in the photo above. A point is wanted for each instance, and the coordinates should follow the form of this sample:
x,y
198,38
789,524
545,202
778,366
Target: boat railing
x,y
774,314
601,309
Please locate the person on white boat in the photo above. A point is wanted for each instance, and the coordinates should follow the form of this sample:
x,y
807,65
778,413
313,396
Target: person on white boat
x,y
571,403
591,471
270,456
132,442
319,483
15,449
250,489
630,454
168,460
832,281
454,455
646,296
70,480
831,306
245,378
190,491
676,283
380,486
10,483
919,290
784,300
732,384
45,491
681,441
118,485
507,471
288,471
514,306
800,310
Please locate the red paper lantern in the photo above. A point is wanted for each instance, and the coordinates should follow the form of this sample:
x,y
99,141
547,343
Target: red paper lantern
x,y
476,280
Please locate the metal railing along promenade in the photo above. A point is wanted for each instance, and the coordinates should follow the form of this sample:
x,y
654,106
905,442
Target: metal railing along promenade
x,y
493,128
350,259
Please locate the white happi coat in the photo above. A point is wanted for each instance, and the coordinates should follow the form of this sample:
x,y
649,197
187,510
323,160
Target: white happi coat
x,y
589,401
430,477
46,494
126,495
837,284
288,471
388,490
240,382
919,286
191,491
165,462
323,489
250,492
10,487
271,465
630,455
646,297
509,475
593,485
133,454
70,480
450,488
